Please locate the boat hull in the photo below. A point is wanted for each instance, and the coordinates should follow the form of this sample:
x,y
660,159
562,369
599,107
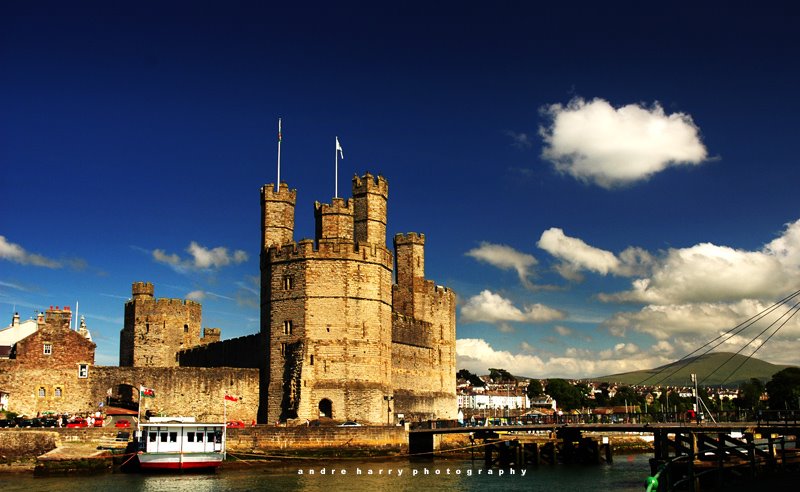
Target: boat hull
x,y
179,461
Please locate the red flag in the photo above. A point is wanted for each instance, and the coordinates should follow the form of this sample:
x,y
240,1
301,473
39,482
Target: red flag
x,y
231,398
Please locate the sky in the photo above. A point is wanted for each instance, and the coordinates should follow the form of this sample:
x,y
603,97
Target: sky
x,y
605,185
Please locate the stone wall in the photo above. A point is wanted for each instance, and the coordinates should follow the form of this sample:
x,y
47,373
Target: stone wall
x,y
18,445
236,352
196,392
265,439
54,346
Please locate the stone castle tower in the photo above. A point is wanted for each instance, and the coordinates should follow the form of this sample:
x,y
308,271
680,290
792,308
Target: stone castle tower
x,y
156,330
327,317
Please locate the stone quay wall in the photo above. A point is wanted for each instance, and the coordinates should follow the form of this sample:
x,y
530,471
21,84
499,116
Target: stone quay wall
x,y
266,439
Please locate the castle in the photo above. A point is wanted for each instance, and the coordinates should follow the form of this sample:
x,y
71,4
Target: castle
x,y
339,338
342,340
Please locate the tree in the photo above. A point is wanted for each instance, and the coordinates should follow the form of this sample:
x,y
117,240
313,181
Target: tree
x,y
501,376
624,395
784,389
566,395
751,392
535,388
473,379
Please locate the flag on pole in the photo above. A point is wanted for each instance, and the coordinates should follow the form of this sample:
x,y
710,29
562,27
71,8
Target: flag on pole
x,y
231,398
339,148
147,392
280,135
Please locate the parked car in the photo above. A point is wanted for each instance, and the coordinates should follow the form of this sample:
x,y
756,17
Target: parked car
x,y
24,422
49,422
235,424
77,422
7,423
350,423
122,424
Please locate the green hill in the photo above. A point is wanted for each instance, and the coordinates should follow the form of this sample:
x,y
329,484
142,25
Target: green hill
x,y
711,369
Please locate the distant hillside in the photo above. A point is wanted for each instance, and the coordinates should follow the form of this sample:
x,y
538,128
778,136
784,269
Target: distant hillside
x,y
702,366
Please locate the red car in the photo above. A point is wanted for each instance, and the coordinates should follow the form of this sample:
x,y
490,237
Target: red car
x,y
122,424
235,424
77,422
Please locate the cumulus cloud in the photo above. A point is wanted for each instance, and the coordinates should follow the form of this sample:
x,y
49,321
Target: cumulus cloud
x,y
477,355
576,255
710,273
15,253
597,143
505,258
494,308
196,295
202,258
563,330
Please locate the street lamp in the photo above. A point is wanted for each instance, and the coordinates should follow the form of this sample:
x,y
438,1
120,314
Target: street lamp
x,y
388,399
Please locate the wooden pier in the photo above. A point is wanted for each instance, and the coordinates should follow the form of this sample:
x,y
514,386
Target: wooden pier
x,y
686,456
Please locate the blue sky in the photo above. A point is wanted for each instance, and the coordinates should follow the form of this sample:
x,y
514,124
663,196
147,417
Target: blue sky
x,y
605,186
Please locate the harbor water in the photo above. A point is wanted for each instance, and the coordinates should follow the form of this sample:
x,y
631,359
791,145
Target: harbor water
x,y
627,473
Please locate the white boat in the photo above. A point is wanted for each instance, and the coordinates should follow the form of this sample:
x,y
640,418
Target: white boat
x,y
180,444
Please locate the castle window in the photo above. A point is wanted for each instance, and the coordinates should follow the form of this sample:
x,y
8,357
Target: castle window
x,y
186,328
83,370
287,327
288,282
57,392
283,349
42,393
48,348
147,328
311,362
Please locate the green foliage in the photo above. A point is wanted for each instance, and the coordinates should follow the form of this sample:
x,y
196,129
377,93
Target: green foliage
x,y
473,379
751,392
784,389
626,394
501,376
535,388
566,395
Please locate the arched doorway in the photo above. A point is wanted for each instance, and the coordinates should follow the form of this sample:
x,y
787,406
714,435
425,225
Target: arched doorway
x,y
123,396
326,408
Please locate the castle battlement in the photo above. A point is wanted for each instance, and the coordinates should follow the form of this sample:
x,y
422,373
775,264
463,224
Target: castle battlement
x,y
337,206
370,184
409,238
308,249
284,194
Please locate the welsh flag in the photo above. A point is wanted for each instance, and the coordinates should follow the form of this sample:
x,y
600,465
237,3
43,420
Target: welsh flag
x,y
147,392
231,398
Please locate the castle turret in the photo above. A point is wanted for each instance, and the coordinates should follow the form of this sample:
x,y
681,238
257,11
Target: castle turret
x,y
277,215
370,195
142,290
410,259
334,221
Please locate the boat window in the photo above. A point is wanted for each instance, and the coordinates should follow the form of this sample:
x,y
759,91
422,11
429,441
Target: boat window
x,y
173,437
153,436
210,437
163,437
199,437
190,437
218,437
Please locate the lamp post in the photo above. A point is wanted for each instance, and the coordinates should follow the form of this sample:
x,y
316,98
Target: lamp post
x,y
388,399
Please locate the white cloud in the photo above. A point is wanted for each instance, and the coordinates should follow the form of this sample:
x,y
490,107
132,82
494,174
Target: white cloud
x,y
563,330
709,273
202,258
505,258
196,295
595,142
15,253
476,355
493,308
576,255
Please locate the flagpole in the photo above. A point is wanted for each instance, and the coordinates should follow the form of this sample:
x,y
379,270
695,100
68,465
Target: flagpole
x,y
278,182
224,424
139,411
336,175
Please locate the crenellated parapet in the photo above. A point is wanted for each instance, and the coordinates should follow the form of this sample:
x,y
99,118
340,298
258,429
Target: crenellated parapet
x,y
323,249
371,184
